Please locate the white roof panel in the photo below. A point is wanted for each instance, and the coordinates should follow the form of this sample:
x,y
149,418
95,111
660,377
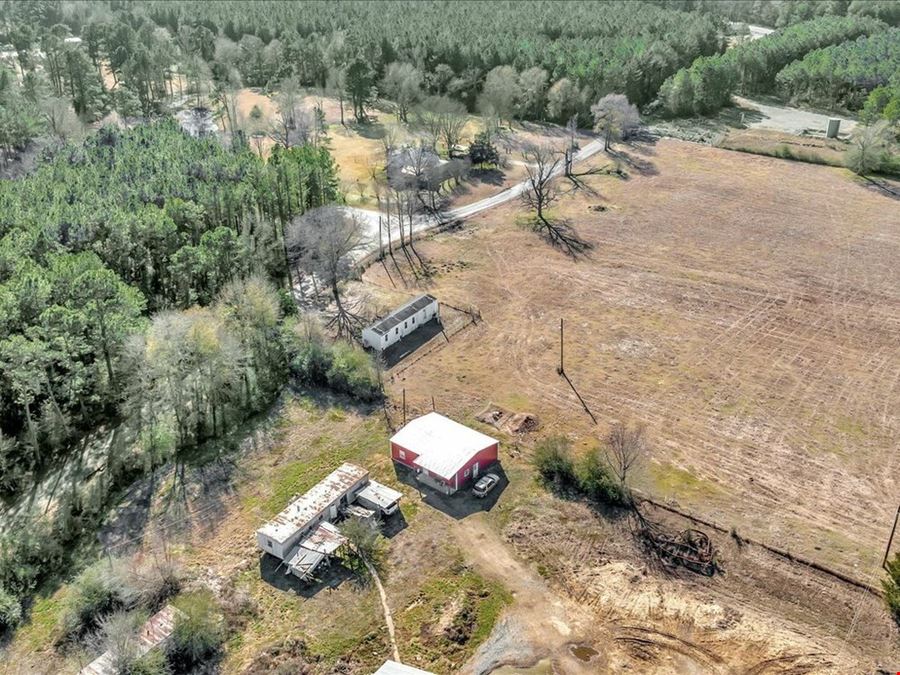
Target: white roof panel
x,y
442,445
380,494
395,668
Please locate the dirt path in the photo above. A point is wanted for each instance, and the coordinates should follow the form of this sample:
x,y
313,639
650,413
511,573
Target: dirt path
x,y
388,618
545,622
373,219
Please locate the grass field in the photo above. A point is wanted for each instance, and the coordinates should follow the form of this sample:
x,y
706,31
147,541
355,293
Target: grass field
x,y
746,309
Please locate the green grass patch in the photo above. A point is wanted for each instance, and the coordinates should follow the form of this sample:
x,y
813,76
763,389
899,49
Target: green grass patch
x,y
671,481
298,476
449,618
39,632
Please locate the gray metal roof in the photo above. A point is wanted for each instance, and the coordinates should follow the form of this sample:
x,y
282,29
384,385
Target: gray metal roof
x,y
379,494
402,313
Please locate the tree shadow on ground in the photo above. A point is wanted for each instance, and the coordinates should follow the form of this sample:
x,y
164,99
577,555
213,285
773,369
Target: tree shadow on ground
x,y
492,176
371,129
552,130
737,117
197,488
462,503
559,233
635,161
325,399
393,525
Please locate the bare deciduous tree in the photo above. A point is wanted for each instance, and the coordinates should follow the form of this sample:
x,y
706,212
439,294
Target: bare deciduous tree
x,y
626,447
323,241
452,125
402,83
541,164
869,151
444,119
293,123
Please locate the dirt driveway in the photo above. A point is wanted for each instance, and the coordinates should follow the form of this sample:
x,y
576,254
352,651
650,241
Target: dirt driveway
x,y
540,615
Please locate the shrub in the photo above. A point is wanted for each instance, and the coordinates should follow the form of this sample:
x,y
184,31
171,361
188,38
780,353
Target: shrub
x,y
353,372
596,480
553,460
198,632
10,610
119,635
152,663
891,587
341,366
155,581
310,355
27,551
96,592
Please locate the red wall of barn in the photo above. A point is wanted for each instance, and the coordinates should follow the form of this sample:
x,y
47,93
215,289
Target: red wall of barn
x,y
410,455
483,458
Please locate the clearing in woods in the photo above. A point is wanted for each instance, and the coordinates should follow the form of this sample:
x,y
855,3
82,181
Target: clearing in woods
x,y
746,309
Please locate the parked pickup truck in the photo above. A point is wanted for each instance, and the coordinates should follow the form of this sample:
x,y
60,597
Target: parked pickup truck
x,y
379,498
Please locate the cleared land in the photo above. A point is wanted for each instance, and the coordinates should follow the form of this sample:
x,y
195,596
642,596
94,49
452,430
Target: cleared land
x,y
358,149
746,309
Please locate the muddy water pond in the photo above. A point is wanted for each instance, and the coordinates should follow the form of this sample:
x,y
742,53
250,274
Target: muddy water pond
x,y
583,652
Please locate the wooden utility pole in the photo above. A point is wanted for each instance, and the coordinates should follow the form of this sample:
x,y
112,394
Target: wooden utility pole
x,y
887,551
404,406
561,369
432,404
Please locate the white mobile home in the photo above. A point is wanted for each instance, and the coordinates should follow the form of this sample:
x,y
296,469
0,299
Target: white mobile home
x,y
282,534
401,322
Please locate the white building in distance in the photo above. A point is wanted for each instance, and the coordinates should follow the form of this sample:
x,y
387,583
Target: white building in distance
x,y
401,322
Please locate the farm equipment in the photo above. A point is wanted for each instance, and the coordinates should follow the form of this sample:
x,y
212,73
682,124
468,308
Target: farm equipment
x,y
689,548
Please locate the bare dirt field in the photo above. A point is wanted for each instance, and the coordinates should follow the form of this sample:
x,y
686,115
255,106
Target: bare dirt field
x,y
746,309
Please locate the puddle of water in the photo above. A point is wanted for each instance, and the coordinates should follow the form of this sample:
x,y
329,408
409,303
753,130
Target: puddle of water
x,y
583,652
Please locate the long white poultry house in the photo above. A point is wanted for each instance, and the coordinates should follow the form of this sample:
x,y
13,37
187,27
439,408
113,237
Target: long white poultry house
x,y
401,322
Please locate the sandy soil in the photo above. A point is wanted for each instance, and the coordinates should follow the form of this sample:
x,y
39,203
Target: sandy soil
x,y
790,120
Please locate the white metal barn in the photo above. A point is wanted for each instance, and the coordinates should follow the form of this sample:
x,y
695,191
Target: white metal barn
x,y
401,322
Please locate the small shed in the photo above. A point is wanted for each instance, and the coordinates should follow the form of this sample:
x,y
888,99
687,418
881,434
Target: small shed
x,y
444,454
401,322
